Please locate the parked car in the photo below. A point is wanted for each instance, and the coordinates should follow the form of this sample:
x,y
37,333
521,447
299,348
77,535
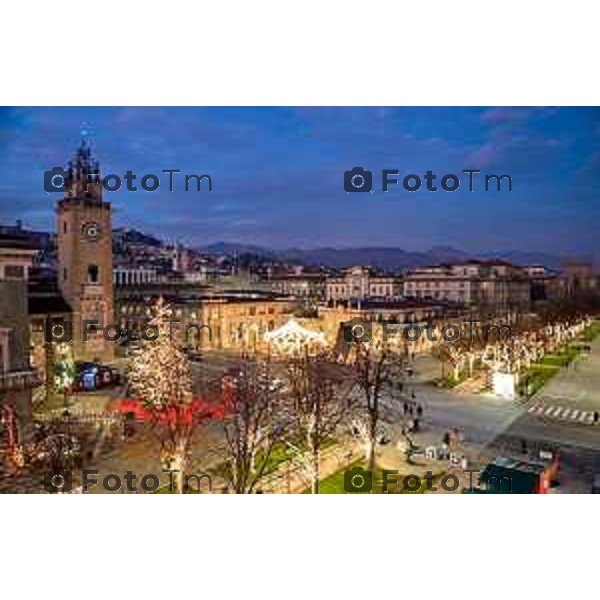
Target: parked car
x,y
91,376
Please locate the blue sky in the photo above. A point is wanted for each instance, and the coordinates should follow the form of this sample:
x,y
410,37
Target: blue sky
x,y
278,173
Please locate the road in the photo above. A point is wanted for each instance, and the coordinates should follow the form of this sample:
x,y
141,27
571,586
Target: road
x,y
559,417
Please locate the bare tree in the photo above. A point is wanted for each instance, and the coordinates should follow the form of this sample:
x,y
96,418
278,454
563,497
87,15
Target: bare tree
x,y
377,367
318,404
253,423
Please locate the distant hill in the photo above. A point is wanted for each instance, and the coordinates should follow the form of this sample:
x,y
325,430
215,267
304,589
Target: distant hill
x,y
133,236
388,259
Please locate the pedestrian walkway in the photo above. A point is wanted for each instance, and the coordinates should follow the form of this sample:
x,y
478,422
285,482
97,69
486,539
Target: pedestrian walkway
x,y
477,384
562,413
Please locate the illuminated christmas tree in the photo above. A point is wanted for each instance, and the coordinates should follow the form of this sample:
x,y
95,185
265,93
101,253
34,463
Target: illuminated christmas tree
x,y
161,380
160,375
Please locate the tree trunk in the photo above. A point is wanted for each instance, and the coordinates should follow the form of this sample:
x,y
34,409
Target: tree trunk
x,y
370,454
316,459
180,481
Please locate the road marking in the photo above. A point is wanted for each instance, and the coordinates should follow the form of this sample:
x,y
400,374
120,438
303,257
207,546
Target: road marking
x,y
583,416
563,412
574,415
535,408
549,410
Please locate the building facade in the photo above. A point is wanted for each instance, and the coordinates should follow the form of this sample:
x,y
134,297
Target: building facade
x,y
206,320
494,284
17,377
85,264
360,283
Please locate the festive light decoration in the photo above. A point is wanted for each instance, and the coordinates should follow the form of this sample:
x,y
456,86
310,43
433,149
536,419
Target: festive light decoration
x,y
292,339
160,375
160,378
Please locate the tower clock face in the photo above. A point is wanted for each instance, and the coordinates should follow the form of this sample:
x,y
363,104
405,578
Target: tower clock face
x,y
91,230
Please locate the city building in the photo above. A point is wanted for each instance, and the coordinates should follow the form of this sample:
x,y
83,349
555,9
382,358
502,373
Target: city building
x,y
134,276
17,377
85,264
333,320
361,283
545,284
498,285
308,286
207,320
578,278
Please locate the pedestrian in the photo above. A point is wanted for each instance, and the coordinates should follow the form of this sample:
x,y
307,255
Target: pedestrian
x,y
410,410
405,408
412,394
419,411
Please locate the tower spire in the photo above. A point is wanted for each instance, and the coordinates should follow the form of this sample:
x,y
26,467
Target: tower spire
x,y
83,175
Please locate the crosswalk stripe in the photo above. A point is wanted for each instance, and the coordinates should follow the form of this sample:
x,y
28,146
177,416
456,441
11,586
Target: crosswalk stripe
x,y
565,413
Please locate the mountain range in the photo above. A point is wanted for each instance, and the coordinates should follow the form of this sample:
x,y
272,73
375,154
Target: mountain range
x,y
387,259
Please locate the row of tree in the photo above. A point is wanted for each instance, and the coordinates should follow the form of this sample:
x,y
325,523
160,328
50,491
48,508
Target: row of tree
x,y
294,406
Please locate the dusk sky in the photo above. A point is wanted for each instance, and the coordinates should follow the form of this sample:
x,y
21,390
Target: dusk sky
x,y
278,174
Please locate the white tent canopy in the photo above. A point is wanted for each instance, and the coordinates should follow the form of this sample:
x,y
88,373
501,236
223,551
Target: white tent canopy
x,y
292,337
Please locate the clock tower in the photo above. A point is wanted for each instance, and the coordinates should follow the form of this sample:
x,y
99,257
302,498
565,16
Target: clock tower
x,y
85,266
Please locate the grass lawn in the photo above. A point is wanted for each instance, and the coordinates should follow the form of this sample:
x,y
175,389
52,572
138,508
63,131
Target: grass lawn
x,y
450,381
280,454
591,332
334,484
540,373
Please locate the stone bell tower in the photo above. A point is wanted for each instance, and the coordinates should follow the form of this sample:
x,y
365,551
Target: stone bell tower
x,y
85,265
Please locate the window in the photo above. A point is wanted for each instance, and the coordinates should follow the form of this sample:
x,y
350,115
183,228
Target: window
x,y
93,274
64,227
64,274
14,272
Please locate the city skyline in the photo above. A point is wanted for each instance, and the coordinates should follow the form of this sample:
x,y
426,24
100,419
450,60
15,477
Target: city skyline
x,y
278,174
